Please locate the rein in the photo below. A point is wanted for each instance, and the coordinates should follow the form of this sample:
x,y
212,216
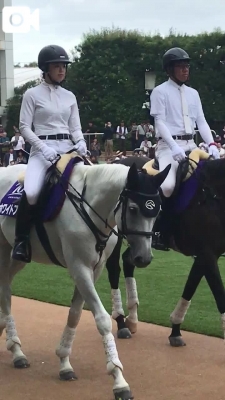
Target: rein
x,y
77,199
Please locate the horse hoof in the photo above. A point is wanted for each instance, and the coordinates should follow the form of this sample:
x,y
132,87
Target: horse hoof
x,y
123,394
124,334
67,376
132,326
21,363
176,341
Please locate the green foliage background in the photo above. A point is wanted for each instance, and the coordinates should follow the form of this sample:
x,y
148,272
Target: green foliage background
x,y
107,75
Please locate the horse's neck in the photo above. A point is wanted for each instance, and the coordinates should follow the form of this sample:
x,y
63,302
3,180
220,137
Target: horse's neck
x,y
104,186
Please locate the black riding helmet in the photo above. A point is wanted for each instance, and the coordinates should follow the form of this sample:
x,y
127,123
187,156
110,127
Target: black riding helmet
x,y
173,55
52,54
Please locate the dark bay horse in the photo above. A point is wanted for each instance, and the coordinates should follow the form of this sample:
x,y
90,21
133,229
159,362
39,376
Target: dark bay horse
x,y
192,233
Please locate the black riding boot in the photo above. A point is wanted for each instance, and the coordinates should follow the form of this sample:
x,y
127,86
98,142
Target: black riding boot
x,y
160,240
161,228
22,246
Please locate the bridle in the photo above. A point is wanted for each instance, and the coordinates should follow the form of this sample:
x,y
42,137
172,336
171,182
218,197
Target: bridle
x,y
151,201
150,204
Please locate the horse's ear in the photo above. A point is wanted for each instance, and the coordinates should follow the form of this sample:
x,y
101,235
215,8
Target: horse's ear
x,y
161,176
132,177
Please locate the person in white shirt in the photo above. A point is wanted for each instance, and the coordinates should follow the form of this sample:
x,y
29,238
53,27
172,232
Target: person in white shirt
x,y
221,150
176,109
145,146
122,132
18,142
53,111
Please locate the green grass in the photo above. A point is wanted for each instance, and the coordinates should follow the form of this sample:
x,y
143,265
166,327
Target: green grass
x,y
159,286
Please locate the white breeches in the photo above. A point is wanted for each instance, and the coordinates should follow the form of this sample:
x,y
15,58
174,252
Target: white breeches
x,y
164,155
37,167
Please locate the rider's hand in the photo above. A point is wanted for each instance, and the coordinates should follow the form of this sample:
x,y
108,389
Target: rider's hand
x,y
214,152
49,153
81,147
178,153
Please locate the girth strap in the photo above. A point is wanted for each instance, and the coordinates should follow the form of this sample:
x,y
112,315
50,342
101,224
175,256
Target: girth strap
x,y
43,237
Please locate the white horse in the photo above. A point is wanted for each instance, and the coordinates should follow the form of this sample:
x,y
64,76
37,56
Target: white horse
x,y
118,194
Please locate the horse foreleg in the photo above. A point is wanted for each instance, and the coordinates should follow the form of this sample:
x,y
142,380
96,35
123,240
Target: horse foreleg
x,y
131,291
8,269
214,280
84,280
178,314
64,349
113,268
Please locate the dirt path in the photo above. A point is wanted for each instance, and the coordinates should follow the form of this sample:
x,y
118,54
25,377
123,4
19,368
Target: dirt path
x,y
154,370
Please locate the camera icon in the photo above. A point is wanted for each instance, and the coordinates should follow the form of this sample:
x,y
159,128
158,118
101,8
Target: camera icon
x,y
19,19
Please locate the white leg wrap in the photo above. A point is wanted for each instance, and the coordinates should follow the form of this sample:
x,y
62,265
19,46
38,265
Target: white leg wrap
x,y
178,314
112,358
11,333
65,346
117,306
132,295
223,323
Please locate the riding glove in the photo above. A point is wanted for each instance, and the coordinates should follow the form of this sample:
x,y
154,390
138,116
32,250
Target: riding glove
x,y
49,153
81,147
178,153
214,152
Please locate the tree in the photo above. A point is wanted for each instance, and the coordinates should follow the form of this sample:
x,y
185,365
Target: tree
x,y
107,75
32,64
14,104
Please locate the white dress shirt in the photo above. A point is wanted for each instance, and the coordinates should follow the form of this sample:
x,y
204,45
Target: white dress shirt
x,y
145,145
20,143
123,130
52,110
166,106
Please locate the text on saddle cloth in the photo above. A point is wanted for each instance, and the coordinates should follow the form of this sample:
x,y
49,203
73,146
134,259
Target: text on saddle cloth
x,y
10,202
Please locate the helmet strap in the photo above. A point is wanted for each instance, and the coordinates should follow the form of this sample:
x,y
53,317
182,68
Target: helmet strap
x,y
52,80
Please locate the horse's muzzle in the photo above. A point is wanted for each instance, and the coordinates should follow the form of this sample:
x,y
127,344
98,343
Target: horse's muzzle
x,y
142,262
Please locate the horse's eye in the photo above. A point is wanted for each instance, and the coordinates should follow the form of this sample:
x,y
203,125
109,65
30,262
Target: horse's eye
x,y
133,210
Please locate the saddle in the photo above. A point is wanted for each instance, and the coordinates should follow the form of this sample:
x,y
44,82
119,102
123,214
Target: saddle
x,y
184,191
60,165
185,169
53,193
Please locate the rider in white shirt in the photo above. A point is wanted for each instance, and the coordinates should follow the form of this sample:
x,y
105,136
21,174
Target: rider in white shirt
x,y
54,113
176,109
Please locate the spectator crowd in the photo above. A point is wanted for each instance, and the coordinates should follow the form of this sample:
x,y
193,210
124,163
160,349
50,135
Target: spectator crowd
x,y
139,138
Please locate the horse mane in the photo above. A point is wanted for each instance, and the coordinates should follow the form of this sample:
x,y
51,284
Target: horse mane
x,y
214,170
113,174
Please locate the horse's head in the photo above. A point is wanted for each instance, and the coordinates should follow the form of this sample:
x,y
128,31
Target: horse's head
x,y
136,212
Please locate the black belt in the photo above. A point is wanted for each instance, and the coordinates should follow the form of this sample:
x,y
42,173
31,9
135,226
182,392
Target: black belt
x,y
60,136
181,137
